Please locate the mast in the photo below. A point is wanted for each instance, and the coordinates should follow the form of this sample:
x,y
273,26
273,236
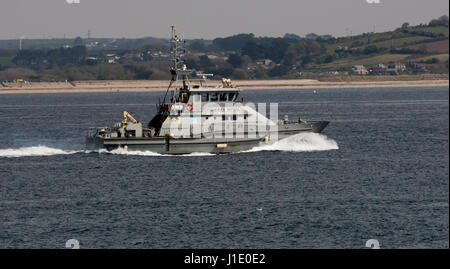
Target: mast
x,y
177,51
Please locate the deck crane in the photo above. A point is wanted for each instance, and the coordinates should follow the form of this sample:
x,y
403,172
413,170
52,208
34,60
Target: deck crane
x,y
127,116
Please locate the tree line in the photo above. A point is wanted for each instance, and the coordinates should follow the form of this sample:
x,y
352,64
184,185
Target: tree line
x,y
61,56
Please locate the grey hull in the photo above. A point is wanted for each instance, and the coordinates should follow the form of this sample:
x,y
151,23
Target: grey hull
x,y
166,145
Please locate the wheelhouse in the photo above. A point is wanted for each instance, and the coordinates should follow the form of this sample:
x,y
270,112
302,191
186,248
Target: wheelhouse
x,y
215,94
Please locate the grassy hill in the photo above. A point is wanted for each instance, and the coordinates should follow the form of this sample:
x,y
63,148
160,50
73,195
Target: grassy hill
x,y
422,42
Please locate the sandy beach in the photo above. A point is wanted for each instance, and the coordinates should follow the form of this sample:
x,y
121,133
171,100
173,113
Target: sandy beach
x,y
161,85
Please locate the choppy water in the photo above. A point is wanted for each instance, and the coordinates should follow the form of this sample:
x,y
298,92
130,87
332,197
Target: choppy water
x,y
379,170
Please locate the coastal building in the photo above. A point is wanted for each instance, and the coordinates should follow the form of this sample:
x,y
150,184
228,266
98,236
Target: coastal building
x,y
91,60
378,69
388,69
92,45
112,58
340,49
216,57
417,67
359,70
265,62
395,68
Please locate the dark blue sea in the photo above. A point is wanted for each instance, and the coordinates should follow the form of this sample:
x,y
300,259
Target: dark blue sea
x,y
380,171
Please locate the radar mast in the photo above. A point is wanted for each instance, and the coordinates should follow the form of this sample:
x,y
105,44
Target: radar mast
x,y
178,68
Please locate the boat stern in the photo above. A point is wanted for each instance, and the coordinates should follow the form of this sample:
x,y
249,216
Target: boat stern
x,y
93,142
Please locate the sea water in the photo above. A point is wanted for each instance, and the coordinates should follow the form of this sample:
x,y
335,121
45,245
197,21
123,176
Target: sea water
x,y
380,170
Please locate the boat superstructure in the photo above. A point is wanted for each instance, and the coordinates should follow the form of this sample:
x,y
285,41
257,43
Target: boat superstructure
x,y
196,117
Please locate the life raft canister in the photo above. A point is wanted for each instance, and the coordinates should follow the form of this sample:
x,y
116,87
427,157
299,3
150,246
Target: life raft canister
x,y
189,107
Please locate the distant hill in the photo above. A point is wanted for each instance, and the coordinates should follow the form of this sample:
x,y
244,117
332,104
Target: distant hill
x,y
405,50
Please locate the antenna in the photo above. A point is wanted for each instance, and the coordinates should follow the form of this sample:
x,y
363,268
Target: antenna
x,y
174,47
178,52
174,53
20,42
177,48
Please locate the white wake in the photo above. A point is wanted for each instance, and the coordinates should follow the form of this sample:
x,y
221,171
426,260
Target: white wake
x,y
305,142
33,151
121,151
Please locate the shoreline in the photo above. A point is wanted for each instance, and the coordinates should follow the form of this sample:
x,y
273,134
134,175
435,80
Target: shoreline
x,y
161,85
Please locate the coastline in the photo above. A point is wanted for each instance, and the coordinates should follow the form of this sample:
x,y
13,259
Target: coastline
x,y
161,85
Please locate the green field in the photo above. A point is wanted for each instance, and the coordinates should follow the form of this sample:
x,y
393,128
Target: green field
x,y
369,60
435,30
441,57
389,39
399,42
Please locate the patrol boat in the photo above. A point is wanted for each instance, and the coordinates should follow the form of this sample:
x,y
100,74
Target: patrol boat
x,y
199,118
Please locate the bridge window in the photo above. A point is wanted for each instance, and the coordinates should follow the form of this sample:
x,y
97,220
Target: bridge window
x,y
205,97
223,96
232,96
214,96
